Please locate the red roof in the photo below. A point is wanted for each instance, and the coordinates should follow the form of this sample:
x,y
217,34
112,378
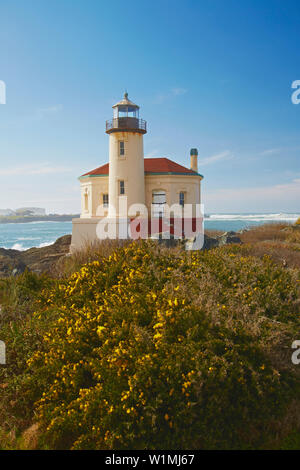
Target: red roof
x,y
152,165
102,170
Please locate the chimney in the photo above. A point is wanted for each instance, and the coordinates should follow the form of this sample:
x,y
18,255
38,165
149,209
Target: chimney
x,y
194,160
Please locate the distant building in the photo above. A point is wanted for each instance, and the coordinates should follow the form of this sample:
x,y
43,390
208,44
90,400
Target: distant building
x,y
152,183
31,211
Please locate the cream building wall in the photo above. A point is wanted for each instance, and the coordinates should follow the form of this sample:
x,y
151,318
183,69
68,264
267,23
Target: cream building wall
x,y
173,185
93,188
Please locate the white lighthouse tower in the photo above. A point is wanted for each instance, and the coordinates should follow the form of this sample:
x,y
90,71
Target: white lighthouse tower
x,y
126,158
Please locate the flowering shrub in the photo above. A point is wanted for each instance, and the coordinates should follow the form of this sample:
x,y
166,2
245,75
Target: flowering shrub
x,y
161,349
297,222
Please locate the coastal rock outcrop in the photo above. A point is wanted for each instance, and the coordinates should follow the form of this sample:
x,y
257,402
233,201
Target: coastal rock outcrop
x,y
228,238
212,242
209,242
38,260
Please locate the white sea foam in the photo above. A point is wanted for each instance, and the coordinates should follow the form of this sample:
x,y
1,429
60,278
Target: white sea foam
x,y
18,246
21,247
42,245
279,217
27,238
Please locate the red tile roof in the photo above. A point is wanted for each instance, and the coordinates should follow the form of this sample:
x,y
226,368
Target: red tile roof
x,y
152,165
102,170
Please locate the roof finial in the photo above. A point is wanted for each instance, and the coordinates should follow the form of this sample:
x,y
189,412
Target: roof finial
x,y
126,95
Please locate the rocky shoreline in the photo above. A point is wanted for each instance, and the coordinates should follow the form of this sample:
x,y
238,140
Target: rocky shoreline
x,y
38,260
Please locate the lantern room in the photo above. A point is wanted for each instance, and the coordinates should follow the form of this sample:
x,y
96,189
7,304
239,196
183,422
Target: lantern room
x,y
126,118
126,108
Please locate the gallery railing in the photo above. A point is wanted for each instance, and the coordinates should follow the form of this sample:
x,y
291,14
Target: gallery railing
x,y
126,123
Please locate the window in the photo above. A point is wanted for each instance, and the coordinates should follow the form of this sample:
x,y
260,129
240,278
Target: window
x,y
121,148
86,202
159,200
105,200
122,187
181,199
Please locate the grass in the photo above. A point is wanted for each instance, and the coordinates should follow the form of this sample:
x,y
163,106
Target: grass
x,y
279,241
266,232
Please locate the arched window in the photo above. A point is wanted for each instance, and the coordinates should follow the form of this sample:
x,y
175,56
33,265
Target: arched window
x,y
86,202
159,200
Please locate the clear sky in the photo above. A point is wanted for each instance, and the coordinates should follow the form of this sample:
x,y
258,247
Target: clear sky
x,y
211,74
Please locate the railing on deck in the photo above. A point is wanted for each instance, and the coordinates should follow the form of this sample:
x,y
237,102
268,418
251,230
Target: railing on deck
x,y
126,123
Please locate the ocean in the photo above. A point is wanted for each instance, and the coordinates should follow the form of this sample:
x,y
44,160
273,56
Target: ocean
x,y
32,234
235,222
39,234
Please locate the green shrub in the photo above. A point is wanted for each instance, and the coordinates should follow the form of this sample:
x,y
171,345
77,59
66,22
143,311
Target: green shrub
x,y
155,348
19,298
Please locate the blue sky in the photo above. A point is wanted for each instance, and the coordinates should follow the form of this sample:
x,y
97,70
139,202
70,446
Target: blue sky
x,y
210,74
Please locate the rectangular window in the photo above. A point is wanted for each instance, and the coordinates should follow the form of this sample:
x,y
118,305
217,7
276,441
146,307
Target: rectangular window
x,y
159,200
121,148
122,187
181,199
105,200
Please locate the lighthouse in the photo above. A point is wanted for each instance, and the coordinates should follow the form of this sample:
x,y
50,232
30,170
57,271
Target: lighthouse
x,y
126,158
130,187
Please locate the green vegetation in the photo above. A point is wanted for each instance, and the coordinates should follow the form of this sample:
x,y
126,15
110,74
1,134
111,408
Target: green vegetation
x,y
139,346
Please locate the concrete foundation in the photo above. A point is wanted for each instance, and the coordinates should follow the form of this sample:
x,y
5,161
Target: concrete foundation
x,y
89,231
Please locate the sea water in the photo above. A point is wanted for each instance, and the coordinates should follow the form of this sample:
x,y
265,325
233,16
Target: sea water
x,y
22,236
235,222
32,234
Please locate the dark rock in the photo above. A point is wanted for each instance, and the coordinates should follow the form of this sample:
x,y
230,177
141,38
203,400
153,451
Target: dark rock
x,y
11,266
41,260
228,238
209,242
230,233
38,260
201,242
